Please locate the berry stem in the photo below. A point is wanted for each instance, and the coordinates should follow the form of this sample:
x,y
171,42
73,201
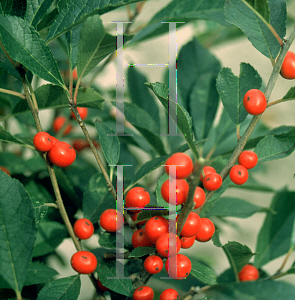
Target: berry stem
x,y
13,93
278,101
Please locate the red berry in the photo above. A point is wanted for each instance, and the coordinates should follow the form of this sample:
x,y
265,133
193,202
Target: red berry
x,y
206,170
182,268
43,141
192,225
83,112
155,227
143,293
183,163
248,159
140,239
238,174
137,197
110,219
153,264
75,74
199,197
212,182
169,294
254,102
101,286
62,154
206,231
187,242
181,192
81,144
288,66
165,241
5,170
54,140
84,262
58,124
248,273
83,229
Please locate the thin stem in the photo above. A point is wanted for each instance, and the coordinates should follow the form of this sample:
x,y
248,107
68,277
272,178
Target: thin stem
x,y
33,96
7,55
51,205
13,93
18,295
278,101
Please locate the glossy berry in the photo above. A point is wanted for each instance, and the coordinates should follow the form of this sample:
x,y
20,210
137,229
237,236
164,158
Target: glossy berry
x,y
140,239
254,102
248,159
83,229
181,270
143,293
58,124
5,170
187,242
288,66
192,225
238,174
212,182
83,112
137,197
155,227
206,231
62,154
153,264
101,286
199,197
168,240
110,219
205,171
181,192
183,163
84,262
248,273
43,141
169,294
54,140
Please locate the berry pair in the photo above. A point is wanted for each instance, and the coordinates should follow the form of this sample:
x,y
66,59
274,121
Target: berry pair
x,y
147,293
212,181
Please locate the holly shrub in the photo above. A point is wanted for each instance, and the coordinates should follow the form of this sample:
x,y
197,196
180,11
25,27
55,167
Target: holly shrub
x,y
74,149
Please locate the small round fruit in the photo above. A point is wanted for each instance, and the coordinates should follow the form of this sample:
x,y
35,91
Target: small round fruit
x,y
187,242
182,268
181,192
101,286
155,227
54,140
192,225
58,124
83,112
248,273
62,154
206,231
153,264
140,239
109,222
206,170
212,182
288,66
84,262
43,141
199,197
83,229
183,163
165,244
5,170
248,159
254,102
169,294
137,197
143,293
238,174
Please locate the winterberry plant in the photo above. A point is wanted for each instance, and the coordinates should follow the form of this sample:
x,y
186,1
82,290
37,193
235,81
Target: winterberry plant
x,y
141,147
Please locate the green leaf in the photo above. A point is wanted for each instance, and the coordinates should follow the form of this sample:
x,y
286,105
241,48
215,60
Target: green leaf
x,y
275,146
6,136
61,289
184,122
274,238
252,17
47,20
109,143
49,235
24,45
141,251
232,207
36,9
74,12
290,94
7,66
39,273
17,231
107,240
232,90
203,273
107,269
14,7
292,243
72,41
160,201
254,290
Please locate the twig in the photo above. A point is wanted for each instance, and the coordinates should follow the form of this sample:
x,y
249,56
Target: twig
x,y
13,93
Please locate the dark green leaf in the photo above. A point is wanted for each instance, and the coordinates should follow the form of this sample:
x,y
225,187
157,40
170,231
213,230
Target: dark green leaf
x,y
17,231
141,251
47,20
6,136
290,94
292,243
109,143
36,9
160,201
107,240
14,7
24,45
72,40
216,239
61,289
7,66
39,273
232,90
203,273
274,238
